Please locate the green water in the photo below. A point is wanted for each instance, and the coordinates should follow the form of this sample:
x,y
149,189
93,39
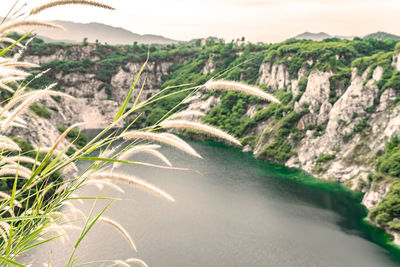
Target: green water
x,y
237,211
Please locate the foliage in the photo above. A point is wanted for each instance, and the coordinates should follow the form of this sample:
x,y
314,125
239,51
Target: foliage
x,y
230,114
280,149
324,55
75,136
389,163
249,140
322,158
339,81
40,110
386,214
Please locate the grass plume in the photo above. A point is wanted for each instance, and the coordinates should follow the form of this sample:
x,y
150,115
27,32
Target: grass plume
x,y
186,113
55,3
175,142
132,180
151,149
121,229
240,87
183,124
6,27
137,261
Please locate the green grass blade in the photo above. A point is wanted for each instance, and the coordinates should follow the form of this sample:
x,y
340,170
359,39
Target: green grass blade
x,y
11,262
92,223
125,104
5,50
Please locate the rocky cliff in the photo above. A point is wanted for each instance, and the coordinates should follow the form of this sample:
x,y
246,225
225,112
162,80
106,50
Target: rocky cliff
x,y
341,138
96,99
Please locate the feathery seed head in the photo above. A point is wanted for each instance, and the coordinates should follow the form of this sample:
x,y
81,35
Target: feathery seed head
x,y
55,3
142,148
183,124
130,179
240,87
10,26
186,113
159,137
137,261
121,229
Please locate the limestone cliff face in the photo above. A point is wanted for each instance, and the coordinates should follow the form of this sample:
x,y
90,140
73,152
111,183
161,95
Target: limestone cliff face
x,y
275,76
317,91
396,61
73,52
353,151
95,100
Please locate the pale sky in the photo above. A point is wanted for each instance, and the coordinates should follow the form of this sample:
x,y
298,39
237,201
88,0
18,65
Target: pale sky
x,y
257,20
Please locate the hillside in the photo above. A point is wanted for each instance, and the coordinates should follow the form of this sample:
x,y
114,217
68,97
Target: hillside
x,y
312,36
321,36
382,36
75,32
340,117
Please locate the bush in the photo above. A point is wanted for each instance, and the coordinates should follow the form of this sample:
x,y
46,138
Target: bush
x,y
249,140
389,163
40,110
322,158
361,125
387,212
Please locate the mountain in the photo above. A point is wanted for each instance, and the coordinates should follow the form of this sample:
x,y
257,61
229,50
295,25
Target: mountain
x,y
312,36
381,36
322,35
76,32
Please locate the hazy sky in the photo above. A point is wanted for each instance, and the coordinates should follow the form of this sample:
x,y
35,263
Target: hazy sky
x,y
257,20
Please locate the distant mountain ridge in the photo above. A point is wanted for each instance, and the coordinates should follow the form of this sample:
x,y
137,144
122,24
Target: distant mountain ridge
x,y
76,32
382,36
312,36
322,35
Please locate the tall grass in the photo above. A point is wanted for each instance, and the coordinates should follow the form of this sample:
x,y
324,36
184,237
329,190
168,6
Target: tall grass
x,y
44,179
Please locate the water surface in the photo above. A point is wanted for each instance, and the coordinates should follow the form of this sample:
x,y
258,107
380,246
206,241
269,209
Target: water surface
x,y
238,211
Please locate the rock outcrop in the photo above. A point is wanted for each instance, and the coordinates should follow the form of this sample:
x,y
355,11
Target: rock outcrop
x,y
275,76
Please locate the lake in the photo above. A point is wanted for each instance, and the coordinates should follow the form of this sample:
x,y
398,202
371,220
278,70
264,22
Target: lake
x,y
235,211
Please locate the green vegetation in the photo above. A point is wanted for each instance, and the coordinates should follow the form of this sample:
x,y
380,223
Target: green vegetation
x,y
322,158
389,163
280,149
360,127
249,140
230,114
78,138
382,36
6,185
40,110
387,213
339,81
321,161
330,54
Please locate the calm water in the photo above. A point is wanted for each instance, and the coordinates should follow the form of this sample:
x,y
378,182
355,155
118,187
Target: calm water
x,y
238,212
